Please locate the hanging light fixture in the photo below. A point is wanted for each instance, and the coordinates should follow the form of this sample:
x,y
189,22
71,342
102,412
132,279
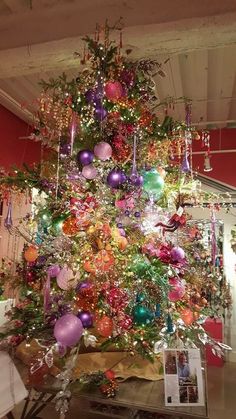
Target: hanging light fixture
x,y
207,162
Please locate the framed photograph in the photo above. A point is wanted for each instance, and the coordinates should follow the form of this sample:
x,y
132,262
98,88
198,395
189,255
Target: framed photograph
x,y
183,377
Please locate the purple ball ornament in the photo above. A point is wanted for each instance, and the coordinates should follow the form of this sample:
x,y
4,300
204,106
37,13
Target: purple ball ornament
x,y
89,172
103,150
177,254
136,179
116,178
53,271
68,330
86,318
100,112
85,157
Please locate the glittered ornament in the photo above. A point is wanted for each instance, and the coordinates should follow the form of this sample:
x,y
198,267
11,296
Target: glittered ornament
x,y
31,254
177,254
65,150
104,326
187,316
66,278
85,157
103,150
153,183
113,90
86,318
53,271
177,289
89,172
116,178
70,227
68,330
142,315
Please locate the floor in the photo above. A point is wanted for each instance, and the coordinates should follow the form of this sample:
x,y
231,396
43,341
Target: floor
x,y
221,394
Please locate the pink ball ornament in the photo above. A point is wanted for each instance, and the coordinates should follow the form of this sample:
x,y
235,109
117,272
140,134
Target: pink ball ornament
x,y
89,172
103,150
66,279
177,254
177,289
113,90
68,330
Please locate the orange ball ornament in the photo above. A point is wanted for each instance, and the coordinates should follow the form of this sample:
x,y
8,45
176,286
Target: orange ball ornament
x,y
104,260
187,315
70,227
104,326
31,254
122,243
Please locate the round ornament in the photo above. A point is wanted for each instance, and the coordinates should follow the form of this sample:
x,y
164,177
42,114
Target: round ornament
x,y
104,326
113,90
177,254
66,278
142,315
187,316
116,178
86,318
68,330
153,183
89,172
85,157
31,254
69,226
103,150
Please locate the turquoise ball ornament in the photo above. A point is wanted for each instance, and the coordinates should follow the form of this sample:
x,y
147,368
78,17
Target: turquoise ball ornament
x,y
153,183
142,315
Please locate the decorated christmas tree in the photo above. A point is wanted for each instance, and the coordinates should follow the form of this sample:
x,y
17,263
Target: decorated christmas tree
x,y
109,259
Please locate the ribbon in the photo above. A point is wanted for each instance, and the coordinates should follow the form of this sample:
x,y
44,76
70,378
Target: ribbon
x,y
213,237
72,131
46,294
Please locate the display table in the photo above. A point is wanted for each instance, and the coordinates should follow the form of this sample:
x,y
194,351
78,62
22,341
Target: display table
x,y
134,399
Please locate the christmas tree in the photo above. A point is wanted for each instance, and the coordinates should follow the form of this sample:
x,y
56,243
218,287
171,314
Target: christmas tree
x,y
109,258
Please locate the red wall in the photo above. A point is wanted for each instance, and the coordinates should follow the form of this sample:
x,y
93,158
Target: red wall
x,y
223,164
13,150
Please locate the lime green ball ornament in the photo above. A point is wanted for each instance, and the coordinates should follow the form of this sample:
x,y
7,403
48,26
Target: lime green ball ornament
x,y
142,315
153,183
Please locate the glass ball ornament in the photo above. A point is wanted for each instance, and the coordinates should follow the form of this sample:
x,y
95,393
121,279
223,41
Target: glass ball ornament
x,y
113,90
153,183
142,315
177,254
89,172
31,254
85,157
103,150
116,178
104,326
68,330
86,318
57,223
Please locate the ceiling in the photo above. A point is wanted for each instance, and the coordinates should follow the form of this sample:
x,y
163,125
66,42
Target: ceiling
x,y
195,42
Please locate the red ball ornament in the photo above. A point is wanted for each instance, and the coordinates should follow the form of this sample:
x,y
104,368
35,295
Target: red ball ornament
x,y
113,90
109,374
104,326
177,290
